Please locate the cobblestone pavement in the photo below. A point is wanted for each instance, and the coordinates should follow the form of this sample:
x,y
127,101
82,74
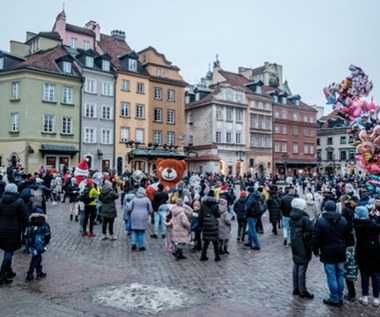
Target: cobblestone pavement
x,y
244,283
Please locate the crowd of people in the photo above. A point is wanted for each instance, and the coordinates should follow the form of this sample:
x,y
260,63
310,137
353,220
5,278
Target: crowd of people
x,y
336,219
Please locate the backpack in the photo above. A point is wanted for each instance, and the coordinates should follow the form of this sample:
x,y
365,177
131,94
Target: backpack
x,y
84,196
37,200
37,238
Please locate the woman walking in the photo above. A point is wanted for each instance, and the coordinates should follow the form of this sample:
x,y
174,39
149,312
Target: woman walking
x,y
108,196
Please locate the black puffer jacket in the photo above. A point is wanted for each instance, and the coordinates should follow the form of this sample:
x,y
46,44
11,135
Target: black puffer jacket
x,y
208,221
301,231
13,220
331,237
240,208
286,204
108,197
273,204
367,245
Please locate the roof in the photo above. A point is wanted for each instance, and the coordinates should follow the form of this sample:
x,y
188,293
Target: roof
x,y
78,29
113,46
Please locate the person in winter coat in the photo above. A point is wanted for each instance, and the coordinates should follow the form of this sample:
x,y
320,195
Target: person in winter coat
x,y
180,228
90,208
56,187
37,237
311,207
240,211
252,214
13,220
286,207
273,204
72,190
301,231
331,236
141,209
108,196
224,222
160,197
208,223
368,252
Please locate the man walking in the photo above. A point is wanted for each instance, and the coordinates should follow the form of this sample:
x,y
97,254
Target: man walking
x,y
286,207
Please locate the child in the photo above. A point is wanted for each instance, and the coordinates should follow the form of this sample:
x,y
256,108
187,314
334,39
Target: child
x,y
37,235
224,222
180,228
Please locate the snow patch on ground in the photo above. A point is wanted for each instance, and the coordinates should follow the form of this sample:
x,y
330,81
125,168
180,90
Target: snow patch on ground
x,y
144,299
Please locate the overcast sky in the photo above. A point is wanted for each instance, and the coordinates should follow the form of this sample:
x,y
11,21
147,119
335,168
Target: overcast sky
x,y
314,40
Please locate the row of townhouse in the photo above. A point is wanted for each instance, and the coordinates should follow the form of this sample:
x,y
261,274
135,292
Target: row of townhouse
x,y
74,92
250,122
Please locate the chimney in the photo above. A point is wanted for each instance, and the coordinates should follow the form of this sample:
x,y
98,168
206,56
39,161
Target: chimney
x,y
119,35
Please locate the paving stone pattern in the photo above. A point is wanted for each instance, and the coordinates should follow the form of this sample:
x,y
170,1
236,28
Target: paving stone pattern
x,y
243,283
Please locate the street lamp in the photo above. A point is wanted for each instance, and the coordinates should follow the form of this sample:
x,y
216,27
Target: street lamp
x,y
285,157
190,153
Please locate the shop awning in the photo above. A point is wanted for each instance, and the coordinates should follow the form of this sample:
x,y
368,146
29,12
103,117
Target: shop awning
x,y
296,163
154,154
58,149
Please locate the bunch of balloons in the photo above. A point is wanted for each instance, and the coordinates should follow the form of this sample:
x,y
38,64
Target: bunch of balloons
x,y
362,119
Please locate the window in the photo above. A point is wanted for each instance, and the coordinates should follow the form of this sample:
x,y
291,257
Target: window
x,y
158,93
106,136
67,95
238,138
16,90
228,137
304,118
106,112
158,72
189,117
311,132
157,137
277,115
284,100
283,115
260,122
329,141
343,140
140,135
311,149
125,85
171,138
283,129
295,116
107,88
124,109
124,134
89,61
106,65
48,123
305,132
295,130
90,110
330,156
219,113
268,122
89,135
284,147
171,95
295,148
260,105
2,63
311,119
252,119
90,86
239,115
49,92
86,45
157,116
229,114
260,141
74,42
306,149
218,137
67,125
277,147
268,141
171,116
15,122
67,67
132,65
318,141
140,88
139,111
276,129
252,140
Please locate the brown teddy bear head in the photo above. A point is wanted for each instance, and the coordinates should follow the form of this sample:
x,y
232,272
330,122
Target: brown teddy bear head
x,y
170,171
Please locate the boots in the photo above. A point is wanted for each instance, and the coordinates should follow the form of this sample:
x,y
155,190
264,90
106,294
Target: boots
x,y
10,273
226,251
180,255
3,273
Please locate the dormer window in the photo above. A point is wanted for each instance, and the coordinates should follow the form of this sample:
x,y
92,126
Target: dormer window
x,y
67,67
132,65
106,65
258,89
2,63
284,100
89,61
275,98
297,102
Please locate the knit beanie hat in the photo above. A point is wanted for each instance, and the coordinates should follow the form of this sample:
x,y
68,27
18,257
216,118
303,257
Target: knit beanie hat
x,y
361,212
243,195
330,206
11,188
298,203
